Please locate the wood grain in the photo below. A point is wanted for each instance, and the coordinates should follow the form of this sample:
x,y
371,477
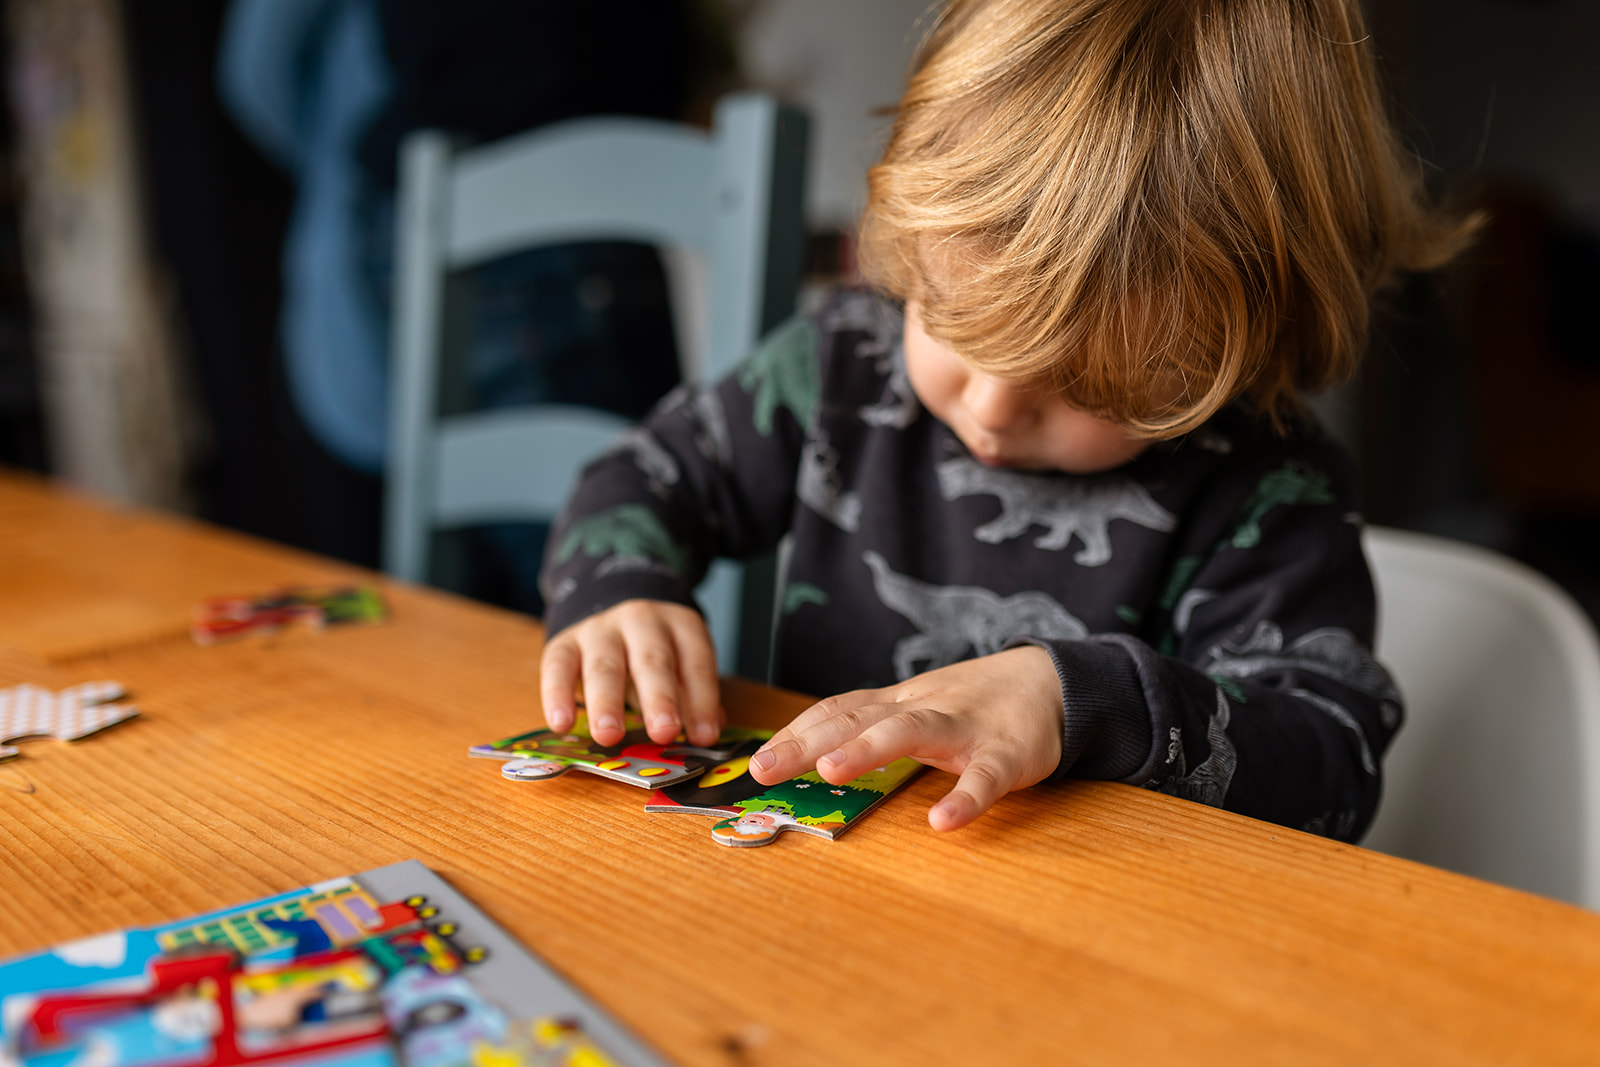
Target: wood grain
x,y
1079,923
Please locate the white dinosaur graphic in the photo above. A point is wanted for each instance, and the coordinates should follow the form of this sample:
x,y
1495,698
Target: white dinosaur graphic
x,y
708,421
860,311
818,485
560,591
1208,783
1331,653
1181,613
898,407
1341,715
956,622
1065,505
650,456
880,327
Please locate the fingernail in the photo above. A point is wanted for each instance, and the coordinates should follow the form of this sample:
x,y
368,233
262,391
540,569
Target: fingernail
x,y
763,760
607,724
836,756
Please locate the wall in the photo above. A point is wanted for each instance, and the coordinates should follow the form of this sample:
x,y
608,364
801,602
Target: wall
x,y
840,59
1498,87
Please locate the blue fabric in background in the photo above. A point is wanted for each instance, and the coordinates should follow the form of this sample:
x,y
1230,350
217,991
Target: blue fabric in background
x,y
312,82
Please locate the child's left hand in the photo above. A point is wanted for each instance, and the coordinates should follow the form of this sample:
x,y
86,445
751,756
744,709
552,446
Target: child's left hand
x,y
995,721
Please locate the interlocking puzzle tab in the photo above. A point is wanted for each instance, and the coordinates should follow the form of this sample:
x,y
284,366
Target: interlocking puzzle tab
x,y
27,711
636,760
226,617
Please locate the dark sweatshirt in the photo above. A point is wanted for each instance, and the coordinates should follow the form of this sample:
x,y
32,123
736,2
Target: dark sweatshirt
x,y
1208,605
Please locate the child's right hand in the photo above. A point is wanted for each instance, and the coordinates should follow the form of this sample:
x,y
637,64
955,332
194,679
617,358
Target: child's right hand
x,y
663,650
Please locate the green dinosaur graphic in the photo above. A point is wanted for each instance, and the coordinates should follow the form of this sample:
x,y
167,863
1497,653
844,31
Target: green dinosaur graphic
x,y
800,594
782,373
625,530
1229,686
1182,573
1295,483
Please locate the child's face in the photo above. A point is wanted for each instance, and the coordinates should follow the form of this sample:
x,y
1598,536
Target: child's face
x,y
1004,425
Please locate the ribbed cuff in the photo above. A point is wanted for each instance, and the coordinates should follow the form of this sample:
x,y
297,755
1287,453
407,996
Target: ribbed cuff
x,y
1105,722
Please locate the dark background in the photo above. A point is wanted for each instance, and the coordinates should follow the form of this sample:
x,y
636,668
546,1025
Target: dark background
x,y
1477,415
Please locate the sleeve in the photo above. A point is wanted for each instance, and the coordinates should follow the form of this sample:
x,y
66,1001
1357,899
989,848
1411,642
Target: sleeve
x,y
1260,694
711,472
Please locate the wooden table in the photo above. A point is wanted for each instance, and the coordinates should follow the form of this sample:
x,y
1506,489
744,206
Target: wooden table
x,y
1082,923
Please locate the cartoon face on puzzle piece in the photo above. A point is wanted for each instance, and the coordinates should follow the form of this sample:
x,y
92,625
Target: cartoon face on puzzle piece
x,y
752,828
533,770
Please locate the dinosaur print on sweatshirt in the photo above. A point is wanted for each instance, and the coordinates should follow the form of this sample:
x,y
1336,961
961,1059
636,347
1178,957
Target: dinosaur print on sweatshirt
x,y
626,532
1208,783
783,374
1066,506
1293,483
818,485
655,462
877,327
1329,653
957,622
703,410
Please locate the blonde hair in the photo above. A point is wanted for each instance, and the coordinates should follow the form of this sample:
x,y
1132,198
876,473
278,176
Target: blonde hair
x,y
1156,206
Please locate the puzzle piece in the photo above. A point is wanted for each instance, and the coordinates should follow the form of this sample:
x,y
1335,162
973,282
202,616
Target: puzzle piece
x,y
222,618
754,814
28,711
541,754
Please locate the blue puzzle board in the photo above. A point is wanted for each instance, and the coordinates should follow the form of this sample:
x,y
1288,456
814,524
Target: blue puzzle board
x,y
388,968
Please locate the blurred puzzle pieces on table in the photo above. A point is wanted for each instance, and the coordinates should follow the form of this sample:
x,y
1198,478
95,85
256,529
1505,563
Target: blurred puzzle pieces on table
x,y
226,617
636,760
27,711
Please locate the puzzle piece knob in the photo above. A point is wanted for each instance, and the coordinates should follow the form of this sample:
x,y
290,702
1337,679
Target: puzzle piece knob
x,y
531,770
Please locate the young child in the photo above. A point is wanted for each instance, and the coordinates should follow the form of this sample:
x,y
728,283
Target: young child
x,y
1054,507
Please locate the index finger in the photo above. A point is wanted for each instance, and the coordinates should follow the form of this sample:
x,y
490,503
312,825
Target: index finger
x,y
818,730
558,683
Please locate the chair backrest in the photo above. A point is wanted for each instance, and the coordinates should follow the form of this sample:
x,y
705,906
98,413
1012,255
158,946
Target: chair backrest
x,y
1496,772
732,196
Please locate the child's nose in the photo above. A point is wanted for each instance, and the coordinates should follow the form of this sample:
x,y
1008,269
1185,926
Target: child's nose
x,y
995,405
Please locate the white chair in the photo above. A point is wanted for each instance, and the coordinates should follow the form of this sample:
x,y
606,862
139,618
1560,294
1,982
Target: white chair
x,y
1496,772
731,196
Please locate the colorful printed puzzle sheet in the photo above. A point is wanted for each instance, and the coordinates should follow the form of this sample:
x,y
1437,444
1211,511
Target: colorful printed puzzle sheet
x,y
390,968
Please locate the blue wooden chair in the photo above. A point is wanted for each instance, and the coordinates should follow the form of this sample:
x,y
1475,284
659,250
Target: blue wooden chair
x,y
732,197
